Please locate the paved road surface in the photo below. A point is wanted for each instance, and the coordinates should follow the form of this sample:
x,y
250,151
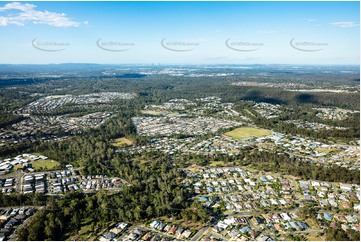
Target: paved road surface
x,y
199,234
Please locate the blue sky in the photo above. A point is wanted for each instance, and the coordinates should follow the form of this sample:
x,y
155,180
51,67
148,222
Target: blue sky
x,y
180,32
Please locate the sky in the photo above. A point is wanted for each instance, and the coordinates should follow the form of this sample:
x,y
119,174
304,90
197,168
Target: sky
x,y
180,32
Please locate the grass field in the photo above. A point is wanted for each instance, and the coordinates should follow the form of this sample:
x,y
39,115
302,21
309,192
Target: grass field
x,y
194,168
249,112
315,237
45,164
192,225
151,112
328,151
217,163
247,132
160,112
120,142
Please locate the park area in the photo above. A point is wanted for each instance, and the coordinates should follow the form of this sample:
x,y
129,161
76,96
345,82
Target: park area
x,y
44,165
121,142
247,132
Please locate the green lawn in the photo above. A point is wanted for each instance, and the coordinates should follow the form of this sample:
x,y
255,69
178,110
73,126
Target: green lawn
x,y
151,112
247,132
120,142
217,163
45,164
329,150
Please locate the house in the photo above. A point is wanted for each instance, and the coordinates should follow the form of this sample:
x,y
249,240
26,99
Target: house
x,y
259,220
156,238
253,234
202,199
315,183
356,207
285,216
179,231
282,201
286,225
267,217
304,185
276,218
10,224
147,236
122,225
222,225
115,230
323,202
278,227
340,218
333,203
136,234
294,225
303,225
5,231
265,203
154,224
242,221
345,205
355,227
161,226
167,228
229,221
186,233
20,217
107,236
273,202
172,229
351,218
321,194
263,238
345,227
346,187
234,233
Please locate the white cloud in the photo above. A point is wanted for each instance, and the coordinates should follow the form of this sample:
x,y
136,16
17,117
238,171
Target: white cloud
x,y
28,14
345,24
19,6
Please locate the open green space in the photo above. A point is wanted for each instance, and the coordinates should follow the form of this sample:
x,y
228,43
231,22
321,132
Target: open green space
x,y
151,112
156,112
120,142
328,150
217,163
45,165
247,132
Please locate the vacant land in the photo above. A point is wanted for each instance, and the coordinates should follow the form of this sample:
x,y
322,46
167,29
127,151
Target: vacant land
x,y
45,165
194,226
328,150
151,112
159,113
122,142
217,163
247,132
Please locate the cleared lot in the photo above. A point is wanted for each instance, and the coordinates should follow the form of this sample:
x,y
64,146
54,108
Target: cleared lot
x,y
247,132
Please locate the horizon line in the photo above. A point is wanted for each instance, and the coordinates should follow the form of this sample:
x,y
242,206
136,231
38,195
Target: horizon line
x,y
178,64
